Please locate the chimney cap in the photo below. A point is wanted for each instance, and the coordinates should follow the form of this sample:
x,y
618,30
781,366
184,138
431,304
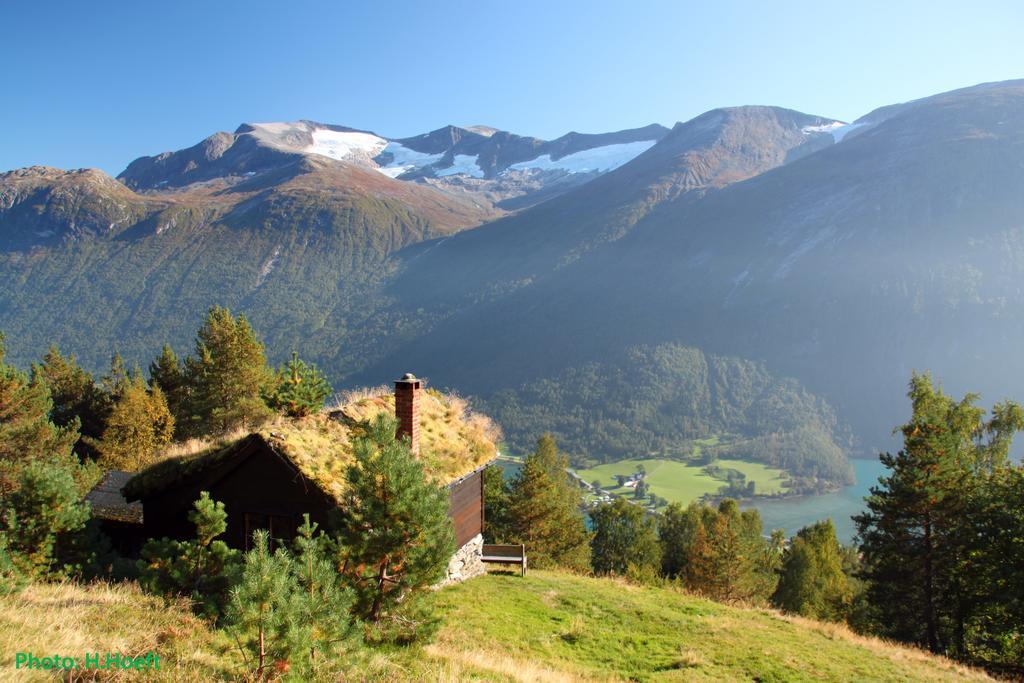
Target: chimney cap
x,y
408,378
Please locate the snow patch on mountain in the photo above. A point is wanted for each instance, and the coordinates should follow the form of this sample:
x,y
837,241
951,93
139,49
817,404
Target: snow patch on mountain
x,y
404,160
602,159
463,164
837,129
339,145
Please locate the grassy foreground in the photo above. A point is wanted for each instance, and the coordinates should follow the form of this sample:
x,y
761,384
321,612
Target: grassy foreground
x,y
681,482
545,627
73,620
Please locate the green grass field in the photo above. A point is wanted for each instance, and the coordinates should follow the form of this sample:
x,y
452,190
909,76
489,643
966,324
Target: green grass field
x,y
550,626
680,482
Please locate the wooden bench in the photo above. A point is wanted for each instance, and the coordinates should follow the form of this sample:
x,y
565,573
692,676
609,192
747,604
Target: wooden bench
x,y
506,554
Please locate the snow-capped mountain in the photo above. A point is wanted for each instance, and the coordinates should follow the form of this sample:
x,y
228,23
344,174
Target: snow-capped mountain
x,y
485,162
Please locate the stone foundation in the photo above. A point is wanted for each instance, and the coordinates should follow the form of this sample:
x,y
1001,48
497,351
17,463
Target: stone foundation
x,y
465,563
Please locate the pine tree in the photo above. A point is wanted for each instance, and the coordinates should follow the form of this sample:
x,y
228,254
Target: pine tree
x,y
300,389
916,535
117,378
396,535
167,374
625,540
45,506
139,426
260,612
812,581
75,397
321,605
544,510
204,568
226,376
26,432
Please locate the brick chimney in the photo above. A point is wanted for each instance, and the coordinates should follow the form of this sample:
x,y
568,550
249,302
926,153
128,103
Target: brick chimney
x,y
407,409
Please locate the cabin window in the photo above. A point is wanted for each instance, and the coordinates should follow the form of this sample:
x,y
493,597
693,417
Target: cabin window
x,y
280,528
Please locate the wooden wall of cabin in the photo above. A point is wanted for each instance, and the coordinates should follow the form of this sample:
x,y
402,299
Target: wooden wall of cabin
x,y
466,508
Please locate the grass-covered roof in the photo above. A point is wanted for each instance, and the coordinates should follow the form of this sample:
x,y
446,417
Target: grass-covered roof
x,y
454,441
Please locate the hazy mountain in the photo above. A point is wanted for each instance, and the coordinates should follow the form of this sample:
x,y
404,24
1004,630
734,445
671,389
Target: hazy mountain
x,y
898,247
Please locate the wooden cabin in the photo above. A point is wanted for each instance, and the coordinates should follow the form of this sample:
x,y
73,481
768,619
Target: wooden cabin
x,y
270,478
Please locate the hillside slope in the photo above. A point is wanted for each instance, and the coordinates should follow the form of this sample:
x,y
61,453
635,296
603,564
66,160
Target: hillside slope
x,y
501,627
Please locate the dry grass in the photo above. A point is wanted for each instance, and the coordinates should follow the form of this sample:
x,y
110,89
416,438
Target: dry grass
x,y
71,620
895,652
189,447
454,441
506,667
350,396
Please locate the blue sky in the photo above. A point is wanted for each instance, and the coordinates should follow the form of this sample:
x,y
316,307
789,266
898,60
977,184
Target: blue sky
x,y
100,83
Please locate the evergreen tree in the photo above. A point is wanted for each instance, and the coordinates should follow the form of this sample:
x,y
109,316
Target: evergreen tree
x,y
321,605
260,612
203,569
26,432
116,379
916,536
544,510
812,581
226,376
396,536
45,506
300,389
75,397
167,374
139,426
625,540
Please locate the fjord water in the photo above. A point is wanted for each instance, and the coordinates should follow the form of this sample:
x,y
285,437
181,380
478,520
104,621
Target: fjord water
x,y
791,514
